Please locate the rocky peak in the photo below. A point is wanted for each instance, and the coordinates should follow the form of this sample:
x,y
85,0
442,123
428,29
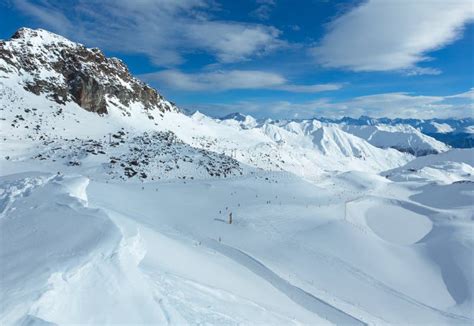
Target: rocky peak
x,y
50,64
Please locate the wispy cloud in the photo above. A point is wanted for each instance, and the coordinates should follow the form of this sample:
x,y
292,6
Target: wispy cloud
x,y
223,80
392,105
220,80
316,88
381,35
46,13
163,30
465,95
264,9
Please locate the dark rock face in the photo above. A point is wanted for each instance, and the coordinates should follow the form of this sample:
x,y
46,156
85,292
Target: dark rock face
x,y
88,93
68,71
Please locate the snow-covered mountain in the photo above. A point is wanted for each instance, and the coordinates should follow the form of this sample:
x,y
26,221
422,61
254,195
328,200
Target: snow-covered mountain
x,y
404,138
244,121
426,126
401,137
64,71
453,132
118,208
308,153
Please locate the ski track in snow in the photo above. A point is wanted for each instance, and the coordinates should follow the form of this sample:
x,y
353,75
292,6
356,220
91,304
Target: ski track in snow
x,y
308,300
298,295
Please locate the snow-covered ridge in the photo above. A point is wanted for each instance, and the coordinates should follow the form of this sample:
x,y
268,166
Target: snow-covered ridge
x,y
404,138
303,150
456,133
427,126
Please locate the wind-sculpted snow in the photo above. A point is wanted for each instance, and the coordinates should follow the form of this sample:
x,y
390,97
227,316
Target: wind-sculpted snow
x,y
45,229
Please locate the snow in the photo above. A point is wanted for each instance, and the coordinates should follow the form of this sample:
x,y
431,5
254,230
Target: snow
x,y
45,230
398,225
469,129
163,251
445,168
402,137
442,127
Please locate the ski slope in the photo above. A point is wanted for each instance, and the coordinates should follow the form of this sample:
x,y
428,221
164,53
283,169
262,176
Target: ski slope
x,y
296,252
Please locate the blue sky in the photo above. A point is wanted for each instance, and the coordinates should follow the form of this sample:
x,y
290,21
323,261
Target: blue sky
x,y
280,58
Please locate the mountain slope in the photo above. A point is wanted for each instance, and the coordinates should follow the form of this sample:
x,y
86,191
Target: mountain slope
x,y
453,132
49,64
405,138
272,147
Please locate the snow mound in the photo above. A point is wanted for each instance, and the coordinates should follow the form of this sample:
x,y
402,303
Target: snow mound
x,y
456,165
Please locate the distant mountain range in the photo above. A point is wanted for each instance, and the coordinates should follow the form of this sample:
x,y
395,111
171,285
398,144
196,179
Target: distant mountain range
x,y
457,133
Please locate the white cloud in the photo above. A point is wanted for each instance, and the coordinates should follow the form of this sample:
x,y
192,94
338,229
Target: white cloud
x,y
402,105
381,35
310,88
231,42
416,71
222,80
465,95
46,12
264,9
217,80
164,30
391,105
